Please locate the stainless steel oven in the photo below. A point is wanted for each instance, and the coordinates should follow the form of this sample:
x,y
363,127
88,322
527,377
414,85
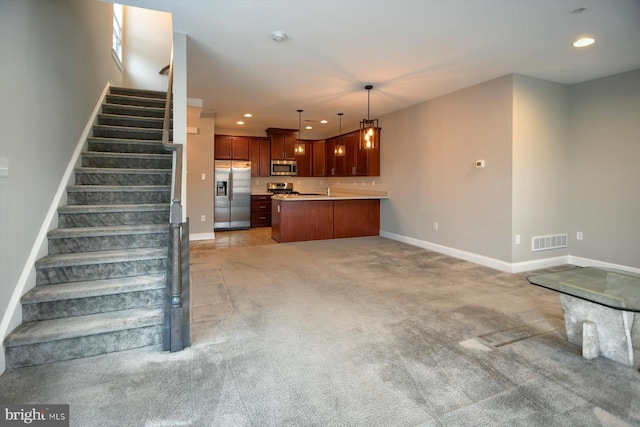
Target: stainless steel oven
x,y
284,167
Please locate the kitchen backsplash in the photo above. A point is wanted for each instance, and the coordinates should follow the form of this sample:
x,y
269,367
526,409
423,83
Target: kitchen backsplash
x,y
310,185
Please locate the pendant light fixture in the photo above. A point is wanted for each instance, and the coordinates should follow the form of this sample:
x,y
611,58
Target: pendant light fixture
x,y
368,128
339,149
298,148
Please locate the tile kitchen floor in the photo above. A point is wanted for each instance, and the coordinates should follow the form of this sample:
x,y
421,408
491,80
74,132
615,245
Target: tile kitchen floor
x,y
235,238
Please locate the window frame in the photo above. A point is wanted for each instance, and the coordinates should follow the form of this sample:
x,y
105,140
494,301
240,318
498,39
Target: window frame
x,y
116,41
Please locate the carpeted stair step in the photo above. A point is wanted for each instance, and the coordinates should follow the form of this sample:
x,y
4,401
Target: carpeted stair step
x,y
114,145
145,93
117,195
130,121
135,100
95,159
63,268
90,239
133,110
100,215
105,131
97,296
37,343
117,176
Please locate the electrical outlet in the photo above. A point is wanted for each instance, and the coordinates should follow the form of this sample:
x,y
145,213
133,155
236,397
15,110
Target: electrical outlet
x,y
579,235
203,176
435,226
203,218
517,239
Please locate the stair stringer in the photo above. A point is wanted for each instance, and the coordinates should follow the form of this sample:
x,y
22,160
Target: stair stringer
x,y
27,280
68,326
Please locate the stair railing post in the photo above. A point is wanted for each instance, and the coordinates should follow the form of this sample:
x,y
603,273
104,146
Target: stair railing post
x,y
176,334
176,276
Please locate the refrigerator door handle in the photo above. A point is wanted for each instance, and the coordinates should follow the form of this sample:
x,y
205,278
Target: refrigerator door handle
x,y
230,186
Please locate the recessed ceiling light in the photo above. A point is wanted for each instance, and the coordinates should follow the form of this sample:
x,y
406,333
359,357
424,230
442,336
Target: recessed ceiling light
x,y
240,122
583,42
248,115
278,36
309,127
324,122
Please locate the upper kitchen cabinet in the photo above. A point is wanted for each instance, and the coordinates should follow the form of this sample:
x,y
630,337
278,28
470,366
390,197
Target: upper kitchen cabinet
x,y
304,162
360,162
319,158
335,165
260,156
282,143
231,147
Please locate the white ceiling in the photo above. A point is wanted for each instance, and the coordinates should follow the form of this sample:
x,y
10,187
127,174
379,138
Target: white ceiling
x,y
410,51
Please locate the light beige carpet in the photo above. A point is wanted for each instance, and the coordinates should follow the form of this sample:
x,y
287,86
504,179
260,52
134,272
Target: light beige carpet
x,y
351,332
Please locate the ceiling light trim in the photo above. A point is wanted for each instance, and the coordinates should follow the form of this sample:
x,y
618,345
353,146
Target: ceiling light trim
x,y
278,36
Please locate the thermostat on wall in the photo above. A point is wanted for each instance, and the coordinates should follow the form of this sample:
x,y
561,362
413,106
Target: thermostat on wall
x,y
479,163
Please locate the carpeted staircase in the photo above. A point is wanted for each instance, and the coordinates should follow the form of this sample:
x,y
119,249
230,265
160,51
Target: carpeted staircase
x,y
101,287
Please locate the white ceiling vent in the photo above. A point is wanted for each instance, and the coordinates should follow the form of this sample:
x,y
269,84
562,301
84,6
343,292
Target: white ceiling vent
x,y
543,243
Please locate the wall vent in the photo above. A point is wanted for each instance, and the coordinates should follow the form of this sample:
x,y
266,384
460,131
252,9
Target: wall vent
x,y
543,243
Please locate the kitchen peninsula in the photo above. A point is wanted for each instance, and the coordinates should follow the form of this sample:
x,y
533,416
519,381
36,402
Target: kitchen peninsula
x,y
302,217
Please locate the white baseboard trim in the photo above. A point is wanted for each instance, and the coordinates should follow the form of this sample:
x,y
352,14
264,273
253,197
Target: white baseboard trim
x,y
517,267
536,264
201,236
586,262
27,280
456,253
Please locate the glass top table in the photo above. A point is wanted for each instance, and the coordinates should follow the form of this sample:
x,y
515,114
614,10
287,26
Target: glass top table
x,y
616,289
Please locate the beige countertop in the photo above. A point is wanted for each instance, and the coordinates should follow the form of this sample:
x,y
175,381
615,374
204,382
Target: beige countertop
x,y
335,195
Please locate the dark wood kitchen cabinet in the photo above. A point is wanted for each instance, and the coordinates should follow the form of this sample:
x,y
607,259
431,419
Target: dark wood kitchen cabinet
x,y
282,143
260,156
356,218
298,220
301,221
228,147
260,211
319,158
305,161
355,162
335,165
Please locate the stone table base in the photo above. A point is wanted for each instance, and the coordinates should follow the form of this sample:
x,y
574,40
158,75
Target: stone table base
x,y
611,336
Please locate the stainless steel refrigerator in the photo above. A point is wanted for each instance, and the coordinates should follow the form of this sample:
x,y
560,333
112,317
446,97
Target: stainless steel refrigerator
x,y
232,201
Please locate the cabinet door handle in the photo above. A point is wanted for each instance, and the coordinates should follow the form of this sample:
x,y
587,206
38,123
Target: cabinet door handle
x,y
353,170
263,217
263,207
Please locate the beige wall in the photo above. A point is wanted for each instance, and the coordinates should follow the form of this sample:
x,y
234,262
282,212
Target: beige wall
x,y
148,38
540,164
428,156
200,160
56,60
604,169
559,159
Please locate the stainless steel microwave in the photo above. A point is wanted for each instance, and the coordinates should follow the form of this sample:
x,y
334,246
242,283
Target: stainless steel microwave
x,y
284,167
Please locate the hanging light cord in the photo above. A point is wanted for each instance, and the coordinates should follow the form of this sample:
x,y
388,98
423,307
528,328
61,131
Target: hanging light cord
x,y
368,88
